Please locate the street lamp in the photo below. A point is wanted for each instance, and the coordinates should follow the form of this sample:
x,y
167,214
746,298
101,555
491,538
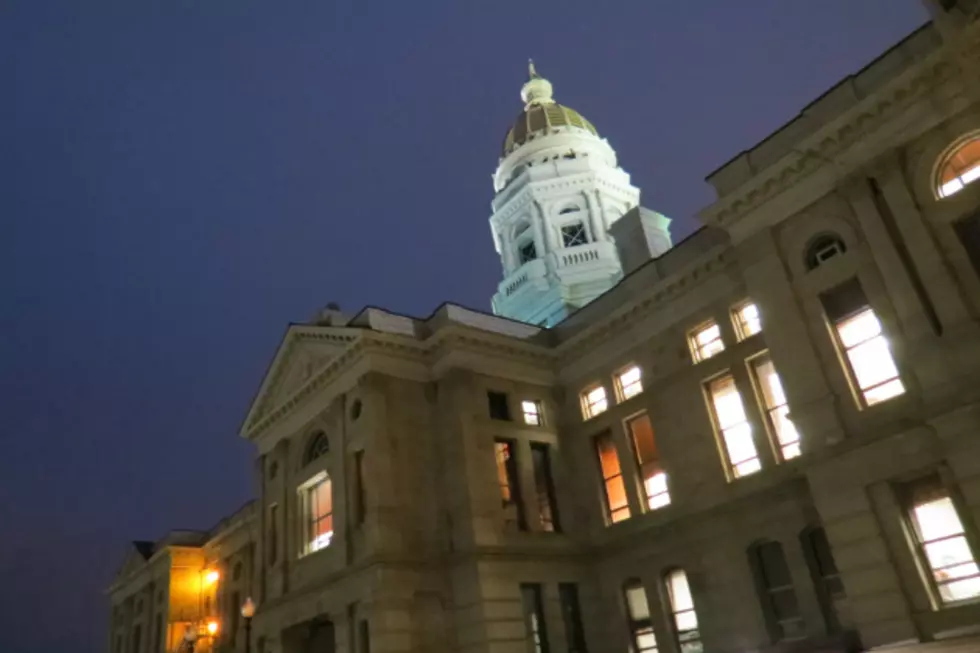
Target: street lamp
x,y
190,638
248,611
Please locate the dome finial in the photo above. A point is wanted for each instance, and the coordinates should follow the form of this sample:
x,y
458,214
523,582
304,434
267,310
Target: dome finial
x,y
532,72
537,89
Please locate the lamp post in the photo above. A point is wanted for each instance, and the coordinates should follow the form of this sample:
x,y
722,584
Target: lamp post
x,y
190,638
248,611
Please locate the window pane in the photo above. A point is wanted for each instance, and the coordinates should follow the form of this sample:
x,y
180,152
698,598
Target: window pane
x,y
872,362
532,412
324,498
708,334
791,451
884,392
728,403
748,467
857,329
946,553
636,603
937,519
772,388
642,431
687,620
738,442
960,590
680,592
616,492
747,318
502,451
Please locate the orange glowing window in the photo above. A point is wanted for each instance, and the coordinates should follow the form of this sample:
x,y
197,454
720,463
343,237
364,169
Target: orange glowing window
x,y
617,506
961,167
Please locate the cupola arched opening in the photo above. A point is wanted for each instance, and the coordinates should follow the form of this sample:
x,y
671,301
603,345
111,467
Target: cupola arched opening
x,y
959,166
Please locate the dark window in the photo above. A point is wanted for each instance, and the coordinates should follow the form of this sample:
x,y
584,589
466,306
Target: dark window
x,y
158,635
779,605
499,408
273,533
642,637
823,248
527,252
544,487
507,477
569,209
968,231
363,637
537,635
318,446
573,235
137,635
824,563
236,609
571,613
355,410
360,503
236,573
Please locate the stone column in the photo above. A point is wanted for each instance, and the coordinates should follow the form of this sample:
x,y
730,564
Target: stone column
x,y
813,407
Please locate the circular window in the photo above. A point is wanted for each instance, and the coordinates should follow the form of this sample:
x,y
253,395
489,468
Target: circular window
x,y
355,410
960,167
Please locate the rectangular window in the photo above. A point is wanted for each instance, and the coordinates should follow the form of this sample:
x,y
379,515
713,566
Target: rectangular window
x,y
544,487
968,231
773,398
776,588
360,500
158,634
527,252
573,235
507,477
137,635
747,320
942,542
317,496
273,533
733,426
863,343
594,401
532,412
706,341
823,567
648,461
629,382
571,614
236,610
537,636
497,403
638,620
682,611
363,637
617,506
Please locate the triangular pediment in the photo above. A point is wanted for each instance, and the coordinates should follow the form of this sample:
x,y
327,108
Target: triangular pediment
x,y
304,351
136,559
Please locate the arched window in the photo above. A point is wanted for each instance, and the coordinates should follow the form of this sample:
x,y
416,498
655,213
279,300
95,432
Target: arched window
x,y
824,573
638,617
318,446
822,248
775,585
961,166
682,611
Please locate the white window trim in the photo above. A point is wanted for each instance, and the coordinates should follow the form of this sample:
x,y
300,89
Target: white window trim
x,y
621,389
301,492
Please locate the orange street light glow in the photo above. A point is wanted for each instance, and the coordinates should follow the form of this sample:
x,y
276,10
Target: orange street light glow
x,y
212,627
211,577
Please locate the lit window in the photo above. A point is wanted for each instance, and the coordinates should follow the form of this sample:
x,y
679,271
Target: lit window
x,y
594,402
510,489
747,321
629,383
862,340
733,426
532,412
617,506
706,342
961,168
648,461
640,624
682,611
777,410
317,497
573,235
943,544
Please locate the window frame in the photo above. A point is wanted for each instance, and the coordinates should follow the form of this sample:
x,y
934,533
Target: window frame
x,y
731,466
497,399
698,349
582,232
675,612
571,615
768,591
935,484
649,499
309,522
537,411
610,512
779,447
511,481
621,388
639,625
945,160
532,611
588,405
544,487
742,325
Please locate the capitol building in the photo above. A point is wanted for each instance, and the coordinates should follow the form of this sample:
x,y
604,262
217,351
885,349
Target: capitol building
x,y
762,439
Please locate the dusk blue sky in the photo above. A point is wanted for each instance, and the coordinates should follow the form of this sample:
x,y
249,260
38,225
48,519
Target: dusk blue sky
x,y
181,179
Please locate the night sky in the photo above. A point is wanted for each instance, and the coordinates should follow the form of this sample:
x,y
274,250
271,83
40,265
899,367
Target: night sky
x,y
181,179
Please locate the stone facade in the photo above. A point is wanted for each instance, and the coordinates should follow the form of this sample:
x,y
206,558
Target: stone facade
x,y
449,529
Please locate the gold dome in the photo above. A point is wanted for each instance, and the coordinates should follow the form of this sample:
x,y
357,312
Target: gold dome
x,y
541,115
543,118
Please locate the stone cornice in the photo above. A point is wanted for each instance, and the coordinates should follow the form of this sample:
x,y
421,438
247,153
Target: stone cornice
x,y
831,141
659,293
